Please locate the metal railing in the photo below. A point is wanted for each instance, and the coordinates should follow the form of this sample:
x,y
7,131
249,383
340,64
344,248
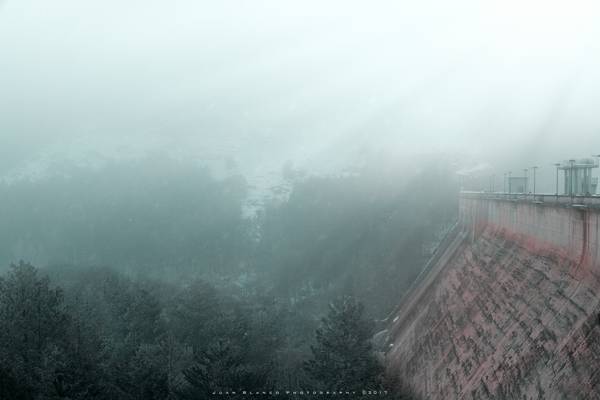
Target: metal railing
x,y
538,198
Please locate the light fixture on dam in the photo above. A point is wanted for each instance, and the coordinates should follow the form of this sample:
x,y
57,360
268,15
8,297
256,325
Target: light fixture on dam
x,y
557,165
534,169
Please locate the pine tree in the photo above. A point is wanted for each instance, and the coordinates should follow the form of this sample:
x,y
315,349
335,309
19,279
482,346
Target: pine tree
x,y
224,367
343,357
32,338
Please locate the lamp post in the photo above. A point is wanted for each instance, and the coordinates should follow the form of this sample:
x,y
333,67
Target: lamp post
x,y
571,189
595,156
509,185
526,179
557,165
534,168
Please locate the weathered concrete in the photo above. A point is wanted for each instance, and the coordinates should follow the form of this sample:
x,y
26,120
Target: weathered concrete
x,y
511,310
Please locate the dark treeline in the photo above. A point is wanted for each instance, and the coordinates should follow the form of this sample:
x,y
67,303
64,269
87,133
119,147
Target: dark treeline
x,y
156,286
106,336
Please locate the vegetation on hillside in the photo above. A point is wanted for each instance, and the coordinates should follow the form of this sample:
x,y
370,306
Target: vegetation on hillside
x,y
156,286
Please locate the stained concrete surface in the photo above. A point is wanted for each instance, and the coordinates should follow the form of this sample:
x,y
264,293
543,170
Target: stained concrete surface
x,y
511,311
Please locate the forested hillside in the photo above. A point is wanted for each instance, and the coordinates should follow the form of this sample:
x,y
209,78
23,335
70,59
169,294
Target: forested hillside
x,y
150,281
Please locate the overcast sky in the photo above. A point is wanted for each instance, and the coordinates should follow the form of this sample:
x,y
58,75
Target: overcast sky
x,y
266,81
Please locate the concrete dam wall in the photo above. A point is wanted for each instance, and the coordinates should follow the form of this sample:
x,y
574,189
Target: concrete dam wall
x,y
509,308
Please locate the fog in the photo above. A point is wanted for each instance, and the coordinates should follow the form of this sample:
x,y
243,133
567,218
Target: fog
x,y
509,84
201,197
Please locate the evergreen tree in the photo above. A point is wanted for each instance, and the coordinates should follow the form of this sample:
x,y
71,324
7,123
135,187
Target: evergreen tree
x,y
33,321
234,348
148,373
224,367
343,357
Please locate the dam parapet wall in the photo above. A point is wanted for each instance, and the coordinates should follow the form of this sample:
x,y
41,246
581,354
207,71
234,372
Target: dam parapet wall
x,y
544,224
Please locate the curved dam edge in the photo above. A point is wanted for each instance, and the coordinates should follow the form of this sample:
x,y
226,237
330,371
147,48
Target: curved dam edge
x,y
508,310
